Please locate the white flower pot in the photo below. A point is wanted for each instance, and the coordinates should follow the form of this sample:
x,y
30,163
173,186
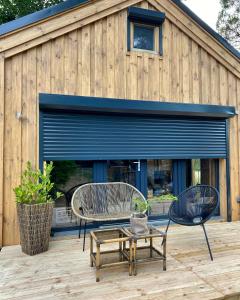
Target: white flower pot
x,y
139,225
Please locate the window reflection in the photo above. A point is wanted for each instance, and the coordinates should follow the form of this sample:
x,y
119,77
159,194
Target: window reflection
x,y
159,177
67,177
121,171
202,171
143,37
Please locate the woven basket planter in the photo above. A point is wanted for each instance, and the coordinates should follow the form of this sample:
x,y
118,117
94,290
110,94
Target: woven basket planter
x,y
35,225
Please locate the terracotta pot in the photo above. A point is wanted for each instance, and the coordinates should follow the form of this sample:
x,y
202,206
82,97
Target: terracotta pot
x,y
35,222
139,224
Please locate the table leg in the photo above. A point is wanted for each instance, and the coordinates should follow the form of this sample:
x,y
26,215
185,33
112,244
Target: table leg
x,y
97,262
120,248
130,258
135,258
91,250
164,253
151,246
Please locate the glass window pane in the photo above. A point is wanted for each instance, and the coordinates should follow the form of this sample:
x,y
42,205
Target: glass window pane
x,y
159,177
202,171
143,37
67,177
121,171
159,182
196,171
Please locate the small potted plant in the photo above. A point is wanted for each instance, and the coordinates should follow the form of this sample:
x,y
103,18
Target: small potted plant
x,y
139,219
35,209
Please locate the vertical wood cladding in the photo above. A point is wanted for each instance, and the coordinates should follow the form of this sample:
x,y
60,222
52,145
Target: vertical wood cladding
x,y
94,61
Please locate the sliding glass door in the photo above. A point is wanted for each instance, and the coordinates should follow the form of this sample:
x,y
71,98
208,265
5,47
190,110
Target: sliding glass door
x,y
154,178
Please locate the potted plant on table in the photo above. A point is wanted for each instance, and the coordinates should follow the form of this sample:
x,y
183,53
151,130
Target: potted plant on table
x,y
139,219
35,208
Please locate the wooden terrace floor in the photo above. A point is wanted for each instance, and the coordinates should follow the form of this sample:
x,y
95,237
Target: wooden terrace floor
x,y
64,273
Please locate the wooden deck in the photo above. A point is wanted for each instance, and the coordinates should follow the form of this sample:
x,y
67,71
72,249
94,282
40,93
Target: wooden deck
x,y
64,273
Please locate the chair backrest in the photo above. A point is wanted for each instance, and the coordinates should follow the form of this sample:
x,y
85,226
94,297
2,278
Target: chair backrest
x,y
105,201
195,205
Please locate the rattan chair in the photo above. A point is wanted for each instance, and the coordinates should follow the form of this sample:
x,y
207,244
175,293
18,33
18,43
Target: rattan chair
x,y
195,206
102,202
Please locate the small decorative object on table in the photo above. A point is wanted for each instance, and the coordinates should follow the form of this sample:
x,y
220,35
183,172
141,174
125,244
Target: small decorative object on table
x,y
35,209
139,218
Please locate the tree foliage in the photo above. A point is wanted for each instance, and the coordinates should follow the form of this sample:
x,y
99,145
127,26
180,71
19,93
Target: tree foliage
x,y
228,24
13,9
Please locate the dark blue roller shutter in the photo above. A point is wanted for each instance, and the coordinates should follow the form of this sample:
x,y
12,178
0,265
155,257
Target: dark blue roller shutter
x,y
72,136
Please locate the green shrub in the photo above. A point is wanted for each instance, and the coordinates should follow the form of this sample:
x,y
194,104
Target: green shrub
x,y
166,197
36,186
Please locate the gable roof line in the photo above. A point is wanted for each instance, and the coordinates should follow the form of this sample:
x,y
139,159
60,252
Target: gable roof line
x,y
206,27
70,4
40,15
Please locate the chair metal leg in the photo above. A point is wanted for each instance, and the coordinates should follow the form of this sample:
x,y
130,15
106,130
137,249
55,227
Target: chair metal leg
x,y
209,249
169,221
80,228
84,237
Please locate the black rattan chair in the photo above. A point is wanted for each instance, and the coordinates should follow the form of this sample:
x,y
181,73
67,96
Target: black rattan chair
x,y
195,206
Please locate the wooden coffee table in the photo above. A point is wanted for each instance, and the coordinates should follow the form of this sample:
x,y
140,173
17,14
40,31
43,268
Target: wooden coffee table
x,y
110,236
151,253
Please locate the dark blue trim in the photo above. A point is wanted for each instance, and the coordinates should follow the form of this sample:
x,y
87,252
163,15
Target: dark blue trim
x,y
41,141
141,177
128,34
146,16
100,171
120,106
228,180
179,176
212,32
40,15
161,40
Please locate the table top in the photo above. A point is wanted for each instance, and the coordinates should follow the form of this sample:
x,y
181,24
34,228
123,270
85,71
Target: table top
x,y
110,235
153,232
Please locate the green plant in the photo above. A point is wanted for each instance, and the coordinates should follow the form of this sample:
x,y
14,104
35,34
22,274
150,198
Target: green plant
x,y
36,186
62,171
141,206
166,197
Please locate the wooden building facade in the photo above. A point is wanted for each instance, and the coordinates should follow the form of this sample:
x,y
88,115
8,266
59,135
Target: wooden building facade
x,y
82,49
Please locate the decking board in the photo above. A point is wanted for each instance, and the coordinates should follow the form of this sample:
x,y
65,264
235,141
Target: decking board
x,y
64,272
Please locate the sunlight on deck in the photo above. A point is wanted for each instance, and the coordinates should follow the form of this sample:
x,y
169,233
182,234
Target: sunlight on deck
x,y
64,272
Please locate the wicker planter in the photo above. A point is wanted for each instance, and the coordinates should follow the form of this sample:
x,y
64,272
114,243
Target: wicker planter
x,y
35,224
139,224
161,207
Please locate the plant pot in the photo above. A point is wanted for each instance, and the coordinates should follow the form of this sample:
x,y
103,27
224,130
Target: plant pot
x,y
160,207
35,222
139,224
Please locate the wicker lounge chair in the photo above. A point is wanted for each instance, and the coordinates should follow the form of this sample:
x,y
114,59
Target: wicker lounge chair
x,y
195,206
102,202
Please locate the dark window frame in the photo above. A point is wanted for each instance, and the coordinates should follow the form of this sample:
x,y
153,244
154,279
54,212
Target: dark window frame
x,y
148,18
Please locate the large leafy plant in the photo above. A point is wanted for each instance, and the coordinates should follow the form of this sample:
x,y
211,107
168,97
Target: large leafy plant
x,y
36,186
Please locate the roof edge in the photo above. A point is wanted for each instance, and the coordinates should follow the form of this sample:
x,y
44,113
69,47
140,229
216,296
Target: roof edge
x,y
98,104
39,15
206,27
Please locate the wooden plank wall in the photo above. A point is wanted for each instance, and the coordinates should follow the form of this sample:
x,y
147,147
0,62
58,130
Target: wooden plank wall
x,y
93,60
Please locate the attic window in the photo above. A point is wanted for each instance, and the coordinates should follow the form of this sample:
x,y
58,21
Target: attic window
x,y
145,30
143,37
